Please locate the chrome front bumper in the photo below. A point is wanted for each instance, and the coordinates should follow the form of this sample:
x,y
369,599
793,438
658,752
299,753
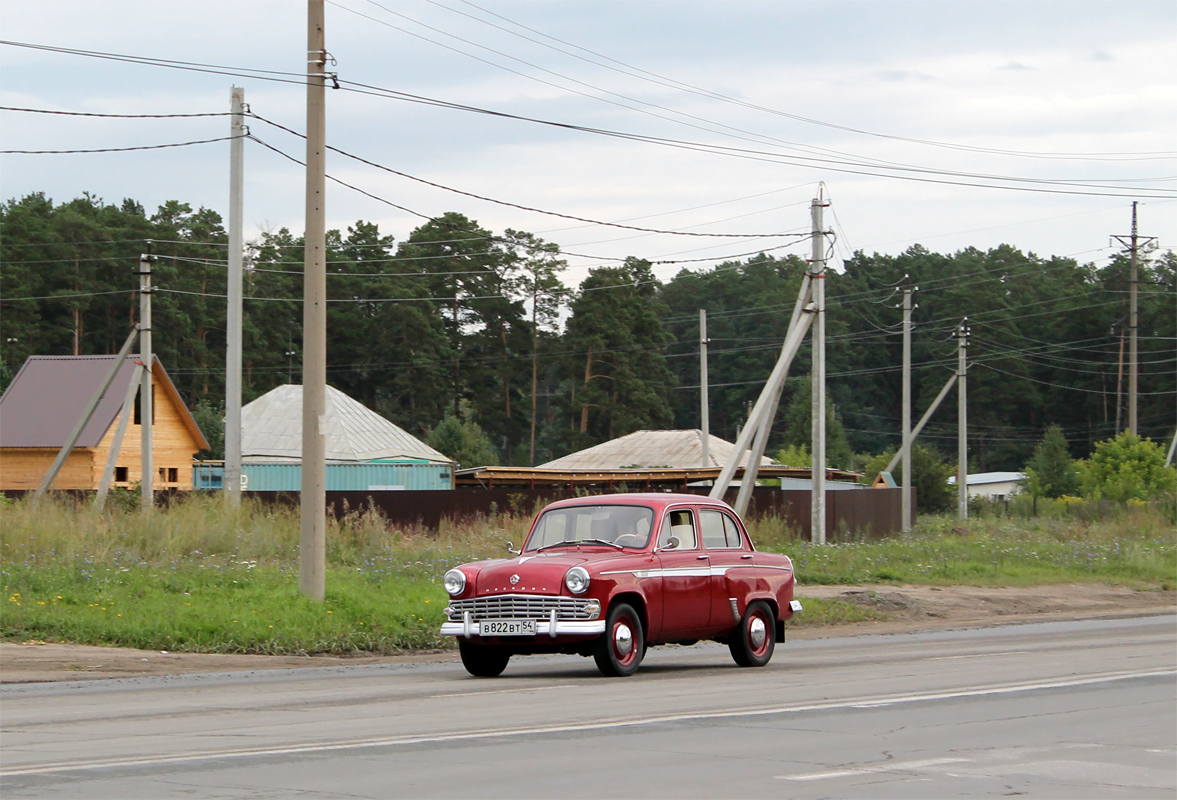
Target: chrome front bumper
x,y
543,627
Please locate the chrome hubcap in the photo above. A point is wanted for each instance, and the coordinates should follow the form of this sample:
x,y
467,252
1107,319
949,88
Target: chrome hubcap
x,y
757,632
623,639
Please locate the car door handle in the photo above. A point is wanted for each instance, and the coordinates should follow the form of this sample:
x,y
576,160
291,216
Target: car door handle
x,y
746,556
701,558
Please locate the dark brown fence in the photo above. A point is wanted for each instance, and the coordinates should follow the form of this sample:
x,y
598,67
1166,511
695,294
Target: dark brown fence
x,y
851,515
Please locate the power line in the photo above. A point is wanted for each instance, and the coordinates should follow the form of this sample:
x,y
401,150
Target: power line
x,y
528,208
672,83
117,149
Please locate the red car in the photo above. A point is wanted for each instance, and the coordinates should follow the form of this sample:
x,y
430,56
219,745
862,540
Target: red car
x,y
610,576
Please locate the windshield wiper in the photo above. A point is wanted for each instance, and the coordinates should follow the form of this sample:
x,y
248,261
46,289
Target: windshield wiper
x,y
553,544
577,542
600,541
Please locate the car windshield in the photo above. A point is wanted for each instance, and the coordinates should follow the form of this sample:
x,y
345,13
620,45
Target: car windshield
x,y
623,526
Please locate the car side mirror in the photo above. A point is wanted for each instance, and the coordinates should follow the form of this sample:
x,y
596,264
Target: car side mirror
x,y
511,549
671,543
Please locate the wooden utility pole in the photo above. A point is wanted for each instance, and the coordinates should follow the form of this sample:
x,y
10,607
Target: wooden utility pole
x,y
818,470
704,401
313,530
232,478
146,393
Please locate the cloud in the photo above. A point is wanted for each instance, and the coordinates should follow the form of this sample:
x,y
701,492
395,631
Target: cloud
x,y
1101,55
900,75
1016,66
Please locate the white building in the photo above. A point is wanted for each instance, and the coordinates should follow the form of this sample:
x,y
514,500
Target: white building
x,y
994,485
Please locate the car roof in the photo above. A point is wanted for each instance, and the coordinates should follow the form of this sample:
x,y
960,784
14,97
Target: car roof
x,y
655,500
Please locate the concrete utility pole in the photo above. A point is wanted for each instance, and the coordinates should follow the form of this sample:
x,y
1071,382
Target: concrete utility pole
x,y
962,429
146,393
704,404
232,478
1133,242
905,447
765,404
116,444
818,471
313,531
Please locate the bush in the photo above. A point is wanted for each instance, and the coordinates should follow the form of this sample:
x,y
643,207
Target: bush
x,y
1127,468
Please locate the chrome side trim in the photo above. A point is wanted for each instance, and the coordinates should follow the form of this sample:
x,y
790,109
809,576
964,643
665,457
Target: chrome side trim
x,y
543,626
735,608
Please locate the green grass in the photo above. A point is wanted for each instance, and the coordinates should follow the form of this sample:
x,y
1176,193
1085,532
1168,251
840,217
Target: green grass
x,y
200,577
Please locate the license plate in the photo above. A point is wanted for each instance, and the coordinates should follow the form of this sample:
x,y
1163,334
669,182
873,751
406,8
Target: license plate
x,y
508,627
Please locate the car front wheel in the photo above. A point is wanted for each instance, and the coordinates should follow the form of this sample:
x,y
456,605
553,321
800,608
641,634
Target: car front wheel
x,y
483,660
754,639
619,651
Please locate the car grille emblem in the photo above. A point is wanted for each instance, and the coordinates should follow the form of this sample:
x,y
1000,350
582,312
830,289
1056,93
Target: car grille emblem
x,y
514,579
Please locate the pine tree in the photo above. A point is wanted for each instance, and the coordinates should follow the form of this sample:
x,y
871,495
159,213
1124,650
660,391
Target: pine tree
x,y
1051,472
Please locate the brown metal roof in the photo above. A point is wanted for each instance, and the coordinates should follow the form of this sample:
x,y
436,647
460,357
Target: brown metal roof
x,y
49,394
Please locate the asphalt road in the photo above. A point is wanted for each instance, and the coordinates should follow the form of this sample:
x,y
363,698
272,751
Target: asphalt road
x,y
1065,709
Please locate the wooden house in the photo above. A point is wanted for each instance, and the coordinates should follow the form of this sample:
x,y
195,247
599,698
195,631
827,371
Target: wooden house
x,y
48,397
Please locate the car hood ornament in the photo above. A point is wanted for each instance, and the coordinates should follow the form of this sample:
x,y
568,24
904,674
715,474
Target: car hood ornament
x,y
514,579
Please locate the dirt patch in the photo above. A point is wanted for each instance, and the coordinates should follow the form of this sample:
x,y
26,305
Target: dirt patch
x,y
907,608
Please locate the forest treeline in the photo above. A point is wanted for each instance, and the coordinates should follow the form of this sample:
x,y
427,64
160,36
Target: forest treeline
x,y
458,321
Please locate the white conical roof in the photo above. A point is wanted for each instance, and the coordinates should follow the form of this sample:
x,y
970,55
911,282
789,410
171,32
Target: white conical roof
x,y
650,450
271,430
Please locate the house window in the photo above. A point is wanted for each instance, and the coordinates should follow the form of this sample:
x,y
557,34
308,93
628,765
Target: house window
x,y
138,415
120,474
173,474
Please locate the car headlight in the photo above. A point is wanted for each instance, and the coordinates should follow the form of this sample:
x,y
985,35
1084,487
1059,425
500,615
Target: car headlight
x,y
454,582
577,580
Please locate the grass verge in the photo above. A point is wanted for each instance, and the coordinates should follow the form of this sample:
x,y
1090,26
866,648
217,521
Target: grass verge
x,y
199,577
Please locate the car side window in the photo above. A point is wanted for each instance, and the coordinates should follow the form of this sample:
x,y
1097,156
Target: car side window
x,y
719,530
731,531
679,526
711,523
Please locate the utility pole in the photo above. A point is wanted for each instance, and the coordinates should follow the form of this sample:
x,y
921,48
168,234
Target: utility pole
x,y
962,429
313,500
1134,243
818,471
704,403
906,441
232,479
146,393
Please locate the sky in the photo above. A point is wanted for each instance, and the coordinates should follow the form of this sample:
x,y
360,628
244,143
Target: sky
x,y
1055,116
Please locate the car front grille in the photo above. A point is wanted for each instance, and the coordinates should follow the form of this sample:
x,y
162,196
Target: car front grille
x,y
521,606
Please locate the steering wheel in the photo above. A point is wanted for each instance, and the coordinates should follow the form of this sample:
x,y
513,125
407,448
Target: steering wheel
x,y
628,540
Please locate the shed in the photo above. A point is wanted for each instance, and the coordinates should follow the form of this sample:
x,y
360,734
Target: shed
x,y
47,398
993,485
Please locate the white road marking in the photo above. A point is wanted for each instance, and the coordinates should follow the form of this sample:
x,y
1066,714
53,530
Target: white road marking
x,y
896,766
500,733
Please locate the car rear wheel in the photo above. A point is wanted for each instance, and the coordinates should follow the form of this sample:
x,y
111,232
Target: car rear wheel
x,y
483,660
619,651
754,639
